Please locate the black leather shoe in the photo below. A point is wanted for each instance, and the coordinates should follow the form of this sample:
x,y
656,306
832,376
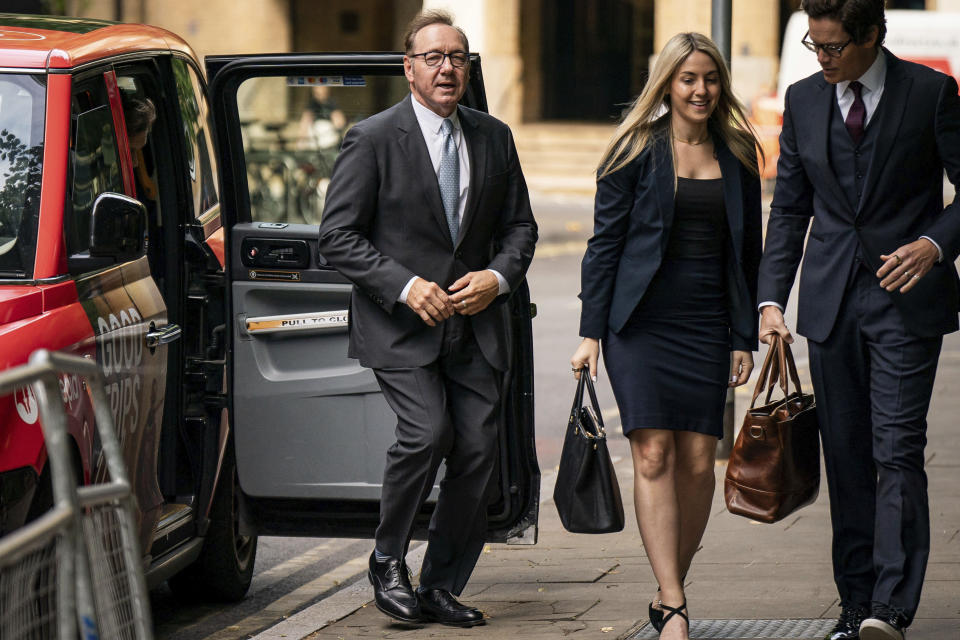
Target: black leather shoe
x,y
392,592
848,626
438,605
883,623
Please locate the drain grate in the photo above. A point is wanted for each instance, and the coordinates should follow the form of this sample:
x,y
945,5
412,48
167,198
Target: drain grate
x,y
752,629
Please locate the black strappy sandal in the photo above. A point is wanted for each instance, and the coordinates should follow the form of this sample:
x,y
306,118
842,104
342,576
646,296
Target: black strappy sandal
x,y
674,611
656,615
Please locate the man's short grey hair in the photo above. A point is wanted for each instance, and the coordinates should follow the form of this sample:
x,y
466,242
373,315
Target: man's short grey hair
x,y
425,19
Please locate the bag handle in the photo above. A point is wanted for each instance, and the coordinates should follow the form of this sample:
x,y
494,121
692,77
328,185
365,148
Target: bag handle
x,y
779,369
788,371
769,373
593,408
578,396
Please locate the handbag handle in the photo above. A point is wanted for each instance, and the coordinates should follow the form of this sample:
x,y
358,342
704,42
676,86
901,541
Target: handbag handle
x,y
788,370
594,408
769,373
779,369
578,397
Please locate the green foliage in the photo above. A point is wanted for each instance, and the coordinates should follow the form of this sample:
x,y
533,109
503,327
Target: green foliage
x,y
19,181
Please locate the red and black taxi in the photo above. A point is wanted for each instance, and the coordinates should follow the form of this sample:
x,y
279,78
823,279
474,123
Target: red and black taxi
x,y
184,260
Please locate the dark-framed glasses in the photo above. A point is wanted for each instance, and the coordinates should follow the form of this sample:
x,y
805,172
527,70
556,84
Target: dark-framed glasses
x,y
832,50
458,59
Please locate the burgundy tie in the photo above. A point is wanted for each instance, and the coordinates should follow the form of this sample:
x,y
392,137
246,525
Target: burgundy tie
x,y
857,114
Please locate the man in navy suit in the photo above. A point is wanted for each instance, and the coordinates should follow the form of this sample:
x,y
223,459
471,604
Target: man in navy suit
x,y
427,214
863,150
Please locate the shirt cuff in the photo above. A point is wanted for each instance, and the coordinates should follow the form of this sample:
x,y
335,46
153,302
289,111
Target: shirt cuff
x,y
504,287
769,303
934,243
403,294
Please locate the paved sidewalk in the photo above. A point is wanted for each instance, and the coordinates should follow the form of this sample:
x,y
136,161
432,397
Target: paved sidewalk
x,y
598,586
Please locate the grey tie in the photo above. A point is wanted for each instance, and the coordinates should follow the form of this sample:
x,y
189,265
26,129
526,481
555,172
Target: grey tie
x,y
449,178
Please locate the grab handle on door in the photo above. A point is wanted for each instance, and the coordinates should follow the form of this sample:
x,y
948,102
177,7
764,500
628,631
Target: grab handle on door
x,y
157,336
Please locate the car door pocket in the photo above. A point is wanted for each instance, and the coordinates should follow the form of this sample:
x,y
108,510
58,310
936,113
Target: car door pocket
x,y
274,252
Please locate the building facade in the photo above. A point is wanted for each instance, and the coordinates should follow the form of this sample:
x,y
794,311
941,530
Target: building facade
x,y
543,60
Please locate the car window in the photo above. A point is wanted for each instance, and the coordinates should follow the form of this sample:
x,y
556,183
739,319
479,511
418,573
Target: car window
x,y
94,162
292,129
22,100
149,140
197,131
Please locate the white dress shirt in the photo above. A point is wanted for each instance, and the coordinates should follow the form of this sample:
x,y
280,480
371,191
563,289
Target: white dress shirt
x,y
431,126
872,80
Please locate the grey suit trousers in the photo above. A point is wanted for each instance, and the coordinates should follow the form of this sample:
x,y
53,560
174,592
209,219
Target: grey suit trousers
x,y
446,411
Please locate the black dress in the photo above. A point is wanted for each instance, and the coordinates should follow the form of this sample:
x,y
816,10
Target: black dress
x,y
670,365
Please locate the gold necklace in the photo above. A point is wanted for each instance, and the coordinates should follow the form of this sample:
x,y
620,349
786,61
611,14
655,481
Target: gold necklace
x,y
692,144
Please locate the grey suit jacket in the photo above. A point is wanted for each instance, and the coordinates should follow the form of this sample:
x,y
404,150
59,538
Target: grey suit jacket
x,y
383,223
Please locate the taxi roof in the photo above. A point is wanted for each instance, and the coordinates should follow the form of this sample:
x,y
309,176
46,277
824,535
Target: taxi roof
x,y
48,42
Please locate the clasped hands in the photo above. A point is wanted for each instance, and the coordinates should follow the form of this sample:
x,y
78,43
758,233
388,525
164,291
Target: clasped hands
x,y
468,296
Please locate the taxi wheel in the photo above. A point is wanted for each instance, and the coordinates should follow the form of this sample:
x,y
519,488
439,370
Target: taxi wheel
x,y
225,567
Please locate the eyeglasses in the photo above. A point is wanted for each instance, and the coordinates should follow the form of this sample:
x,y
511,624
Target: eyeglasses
x,y
832,50
458,59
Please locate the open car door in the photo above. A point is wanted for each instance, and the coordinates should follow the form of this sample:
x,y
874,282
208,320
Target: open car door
x,y
310,426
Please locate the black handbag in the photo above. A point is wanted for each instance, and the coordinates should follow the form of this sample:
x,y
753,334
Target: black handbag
x,y
587,494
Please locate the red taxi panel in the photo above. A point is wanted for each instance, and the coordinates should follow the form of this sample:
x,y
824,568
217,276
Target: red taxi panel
x,y
35,42
51,259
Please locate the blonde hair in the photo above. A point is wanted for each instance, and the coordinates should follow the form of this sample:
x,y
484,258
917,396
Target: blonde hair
x,y
651,109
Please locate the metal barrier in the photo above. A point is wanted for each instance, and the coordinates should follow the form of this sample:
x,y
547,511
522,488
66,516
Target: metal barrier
x,y
76,571
36,585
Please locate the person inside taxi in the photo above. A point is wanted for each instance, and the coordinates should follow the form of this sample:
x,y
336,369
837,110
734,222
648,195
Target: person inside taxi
x,y
140,114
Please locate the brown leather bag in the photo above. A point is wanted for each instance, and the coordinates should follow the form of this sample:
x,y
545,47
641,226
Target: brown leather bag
x,y
774,468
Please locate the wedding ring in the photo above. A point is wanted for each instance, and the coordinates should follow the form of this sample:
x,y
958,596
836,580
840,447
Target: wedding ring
x,y
899,259
916,277
906,273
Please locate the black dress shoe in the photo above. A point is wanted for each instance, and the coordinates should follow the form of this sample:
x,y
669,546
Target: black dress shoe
x,y
883,623
438,605
392,592
848,626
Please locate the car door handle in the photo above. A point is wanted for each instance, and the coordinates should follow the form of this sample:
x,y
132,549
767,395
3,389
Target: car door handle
x,y
157,336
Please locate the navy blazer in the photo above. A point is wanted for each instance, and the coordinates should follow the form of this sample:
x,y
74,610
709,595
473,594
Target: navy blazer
x,y
633,215
918,121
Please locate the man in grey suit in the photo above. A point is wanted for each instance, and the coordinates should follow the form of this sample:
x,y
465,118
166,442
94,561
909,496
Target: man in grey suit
x,y
863,151
427,213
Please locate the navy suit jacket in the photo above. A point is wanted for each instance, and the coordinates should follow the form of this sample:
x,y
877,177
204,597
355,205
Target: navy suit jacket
x,y
633,215
383,223
918,121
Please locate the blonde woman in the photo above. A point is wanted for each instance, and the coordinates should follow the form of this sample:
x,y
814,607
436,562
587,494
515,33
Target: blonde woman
x,y
669,284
